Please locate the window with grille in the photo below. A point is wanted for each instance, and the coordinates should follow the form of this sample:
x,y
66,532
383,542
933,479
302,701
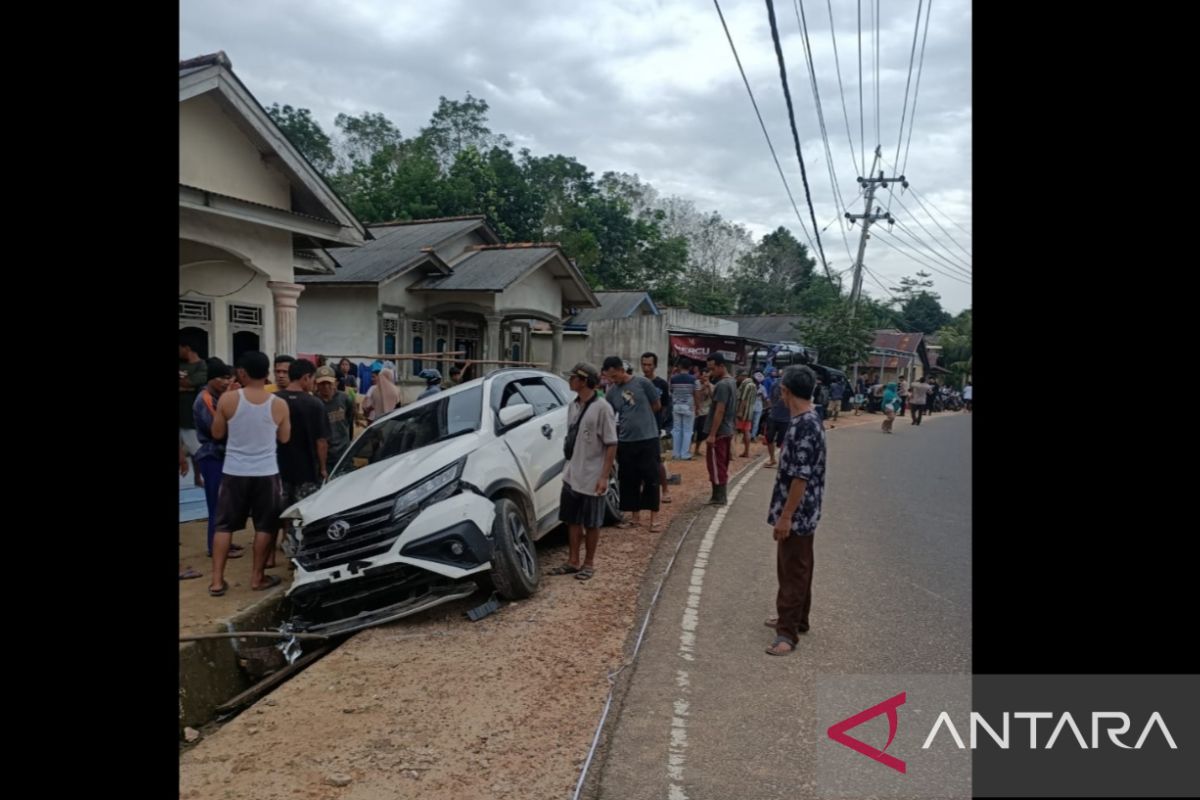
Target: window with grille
x,y
245,315
443,331
391,326
197,310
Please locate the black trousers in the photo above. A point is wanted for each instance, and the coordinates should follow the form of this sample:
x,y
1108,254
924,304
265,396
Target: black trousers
x,y
637,464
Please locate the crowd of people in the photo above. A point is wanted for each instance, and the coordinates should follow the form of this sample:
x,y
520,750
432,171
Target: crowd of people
x,y
259,447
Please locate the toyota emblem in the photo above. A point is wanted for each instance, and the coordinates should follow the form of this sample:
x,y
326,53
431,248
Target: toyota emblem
x,y
338,530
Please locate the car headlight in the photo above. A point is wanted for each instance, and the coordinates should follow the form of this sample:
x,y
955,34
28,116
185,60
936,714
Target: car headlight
x,y
436,487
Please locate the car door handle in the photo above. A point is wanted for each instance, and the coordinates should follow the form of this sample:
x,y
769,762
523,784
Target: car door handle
x,y
547,431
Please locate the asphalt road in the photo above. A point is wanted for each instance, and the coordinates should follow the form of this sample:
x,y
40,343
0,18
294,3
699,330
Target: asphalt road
x,y
707,714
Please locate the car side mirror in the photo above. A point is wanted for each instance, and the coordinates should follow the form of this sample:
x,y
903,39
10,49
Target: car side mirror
x,y
515,415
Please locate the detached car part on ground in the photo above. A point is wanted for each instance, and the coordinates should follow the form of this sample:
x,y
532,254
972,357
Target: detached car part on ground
x,y
433,501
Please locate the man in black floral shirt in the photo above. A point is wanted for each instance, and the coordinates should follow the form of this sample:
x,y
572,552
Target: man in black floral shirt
x,y
796,508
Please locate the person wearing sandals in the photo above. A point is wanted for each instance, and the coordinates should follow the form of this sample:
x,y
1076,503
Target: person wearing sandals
x,y
590,449
210,458
796,508
635,402
251,421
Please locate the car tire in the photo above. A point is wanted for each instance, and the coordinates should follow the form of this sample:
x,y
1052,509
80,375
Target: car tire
x,y
514,558
612,500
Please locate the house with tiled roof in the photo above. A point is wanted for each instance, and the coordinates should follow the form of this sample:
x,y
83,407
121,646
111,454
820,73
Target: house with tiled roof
x,y
252,212
442,285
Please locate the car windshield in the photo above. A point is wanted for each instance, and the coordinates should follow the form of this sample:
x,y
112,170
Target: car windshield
x,y
452,415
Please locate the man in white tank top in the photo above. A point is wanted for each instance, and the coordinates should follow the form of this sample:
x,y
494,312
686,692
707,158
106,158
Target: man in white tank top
x,y
251,420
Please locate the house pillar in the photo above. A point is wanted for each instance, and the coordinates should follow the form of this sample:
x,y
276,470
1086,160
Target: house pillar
x,y
493,342
556,348
285,295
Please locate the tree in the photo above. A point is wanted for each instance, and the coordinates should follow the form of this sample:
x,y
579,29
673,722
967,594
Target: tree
x,y
305,134
772,277
459,124
955,341
367,136
839,338
923,313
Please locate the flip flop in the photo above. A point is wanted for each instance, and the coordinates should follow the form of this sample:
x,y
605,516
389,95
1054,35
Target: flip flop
x,y
585,574
771,651
666,498
272,582
190,573
565,569
655,527
626,524
219,592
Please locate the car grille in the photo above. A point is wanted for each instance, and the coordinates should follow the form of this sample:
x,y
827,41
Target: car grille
x,y
372,533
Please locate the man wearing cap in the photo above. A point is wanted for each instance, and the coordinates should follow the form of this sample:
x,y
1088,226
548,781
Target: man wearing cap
x,y
210,458
590,449
340,409
433,380
720,428
635,402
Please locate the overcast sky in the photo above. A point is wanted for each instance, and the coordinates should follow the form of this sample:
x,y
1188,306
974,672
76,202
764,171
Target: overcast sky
x,y
649,87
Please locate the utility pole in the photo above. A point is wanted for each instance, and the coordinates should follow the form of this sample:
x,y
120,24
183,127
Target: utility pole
x,y
868,216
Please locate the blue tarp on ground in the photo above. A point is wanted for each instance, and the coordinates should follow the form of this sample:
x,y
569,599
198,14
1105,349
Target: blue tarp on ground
x,y
191,500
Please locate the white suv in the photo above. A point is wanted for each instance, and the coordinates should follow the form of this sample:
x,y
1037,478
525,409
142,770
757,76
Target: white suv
x,y
431,497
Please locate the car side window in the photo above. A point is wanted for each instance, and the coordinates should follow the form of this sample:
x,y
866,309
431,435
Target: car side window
x,y
512,396
540,396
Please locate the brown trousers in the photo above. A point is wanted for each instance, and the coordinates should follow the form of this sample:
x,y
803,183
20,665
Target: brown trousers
x,y
794,565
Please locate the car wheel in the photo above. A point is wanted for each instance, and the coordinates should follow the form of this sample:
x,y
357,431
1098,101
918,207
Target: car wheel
x,y
514,559
612,500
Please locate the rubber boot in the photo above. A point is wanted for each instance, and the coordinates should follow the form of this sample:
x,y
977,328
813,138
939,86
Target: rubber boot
x,y
722,496
712,501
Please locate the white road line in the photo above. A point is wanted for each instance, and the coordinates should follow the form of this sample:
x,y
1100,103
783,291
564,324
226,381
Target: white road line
x,y
677,752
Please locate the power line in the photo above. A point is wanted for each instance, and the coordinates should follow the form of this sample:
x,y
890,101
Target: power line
x,y
917,89
908,84
802,21
862,130
879,282
763,125
943,213
837,62
921,243
787,95
878,137
922,262
935,222
930,235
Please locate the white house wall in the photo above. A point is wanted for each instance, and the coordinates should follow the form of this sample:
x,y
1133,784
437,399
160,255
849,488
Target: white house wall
x,y
538,291
450,250
212,281
234,281
395,293
678,318
336,321
574,348
628,338
268,249
215,154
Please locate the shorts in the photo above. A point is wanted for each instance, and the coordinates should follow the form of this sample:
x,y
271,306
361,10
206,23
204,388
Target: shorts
x,y
293,493
701,422
242,497
575,508
743,425
776,431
